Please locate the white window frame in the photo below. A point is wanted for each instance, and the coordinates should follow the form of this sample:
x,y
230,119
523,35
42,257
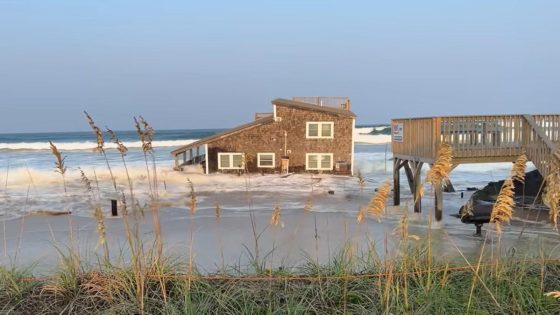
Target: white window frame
x,y
266,166
319,156
230,154
319,129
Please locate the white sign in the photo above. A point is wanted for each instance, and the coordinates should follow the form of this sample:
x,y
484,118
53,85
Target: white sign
x,y
397,132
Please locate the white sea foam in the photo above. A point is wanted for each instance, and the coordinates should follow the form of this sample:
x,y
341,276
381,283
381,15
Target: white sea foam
x,y
373,139
362,135
87,145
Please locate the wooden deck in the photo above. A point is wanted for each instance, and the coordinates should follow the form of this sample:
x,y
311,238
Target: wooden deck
x,y
474,139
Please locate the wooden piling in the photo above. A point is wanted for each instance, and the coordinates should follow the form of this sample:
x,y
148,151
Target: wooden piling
x,y
396,182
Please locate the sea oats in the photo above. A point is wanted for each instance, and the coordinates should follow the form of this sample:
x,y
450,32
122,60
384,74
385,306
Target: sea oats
x,y
554,294
276,217
503,208
551,196
361,215
439,172
100,219
361,180
120,146
192,197
59,159
146,133
376,206
401,230
98,133
217,212
308,205
518,168
85,180
124,205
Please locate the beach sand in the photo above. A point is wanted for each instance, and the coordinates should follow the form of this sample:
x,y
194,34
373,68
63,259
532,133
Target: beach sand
x,y
246,200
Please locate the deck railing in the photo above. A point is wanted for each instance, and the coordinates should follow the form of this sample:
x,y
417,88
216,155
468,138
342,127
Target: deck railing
x,y
541,150
483,136
489,138
340,102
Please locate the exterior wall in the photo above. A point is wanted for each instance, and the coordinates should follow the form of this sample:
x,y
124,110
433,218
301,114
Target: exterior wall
x,y
270,138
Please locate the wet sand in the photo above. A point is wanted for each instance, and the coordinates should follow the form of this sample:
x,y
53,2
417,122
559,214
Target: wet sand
x,y
319,234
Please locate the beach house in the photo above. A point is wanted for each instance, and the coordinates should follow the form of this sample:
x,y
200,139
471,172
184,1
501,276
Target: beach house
x,y
304,134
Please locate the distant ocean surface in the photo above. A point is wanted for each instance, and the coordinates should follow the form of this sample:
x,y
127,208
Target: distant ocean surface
x,y
32,150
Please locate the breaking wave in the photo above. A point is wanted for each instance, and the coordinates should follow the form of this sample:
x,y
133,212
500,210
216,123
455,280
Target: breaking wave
x,y
88,145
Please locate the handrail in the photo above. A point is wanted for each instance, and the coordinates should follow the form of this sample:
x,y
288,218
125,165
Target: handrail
x,y
540,149
483,138
341,102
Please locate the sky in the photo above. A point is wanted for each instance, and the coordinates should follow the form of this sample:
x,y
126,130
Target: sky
x,y
213,64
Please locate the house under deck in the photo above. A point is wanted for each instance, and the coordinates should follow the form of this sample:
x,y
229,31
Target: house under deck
x,y
474,139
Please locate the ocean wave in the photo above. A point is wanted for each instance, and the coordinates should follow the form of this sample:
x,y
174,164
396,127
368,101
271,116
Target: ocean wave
x,y
88,145
362,136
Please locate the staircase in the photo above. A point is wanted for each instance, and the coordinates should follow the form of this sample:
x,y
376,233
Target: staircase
x,y
540,147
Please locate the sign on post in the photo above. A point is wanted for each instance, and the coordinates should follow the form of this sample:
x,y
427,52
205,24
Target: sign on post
x,y
397,132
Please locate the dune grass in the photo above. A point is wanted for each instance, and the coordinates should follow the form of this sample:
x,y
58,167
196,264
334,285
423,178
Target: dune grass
x,y
348,284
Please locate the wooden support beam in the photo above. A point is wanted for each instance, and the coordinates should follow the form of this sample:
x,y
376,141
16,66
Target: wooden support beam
x,y
438,202
396,182
409,176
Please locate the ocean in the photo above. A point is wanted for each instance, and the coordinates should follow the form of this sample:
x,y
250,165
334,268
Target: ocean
x,y
29,183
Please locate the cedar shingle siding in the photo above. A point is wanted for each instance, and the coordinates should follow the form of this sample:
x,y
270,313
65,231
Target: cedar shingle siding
x,y
269,138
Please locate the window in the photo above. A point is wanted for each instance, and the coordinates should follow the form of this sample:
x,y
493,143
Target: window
x,y
318,130
230,161
319,161
266,160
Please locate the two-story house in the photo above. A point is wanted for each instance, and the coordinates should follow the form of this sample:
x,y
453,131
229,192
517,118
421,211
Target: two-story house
x,y
306,134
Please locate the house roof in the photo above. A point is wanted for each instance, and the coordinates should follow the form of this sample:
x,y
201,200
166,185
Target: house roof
x,y
263,121
313,107
220,135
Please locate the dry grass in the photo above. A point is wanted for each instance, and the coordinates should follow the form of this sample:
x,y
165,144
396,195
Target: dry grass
x,y
401,230
192,197
120,146
551,196
217,212
145,133
439,172
376,206
59,159
97,131
101,231
276,218
554,294
308,206
361,180
518,168
85,180
362,213
502,210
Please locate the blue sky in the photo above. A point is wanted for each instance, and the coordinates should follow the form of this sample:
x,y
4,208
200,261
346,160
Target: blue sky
x,y
207,64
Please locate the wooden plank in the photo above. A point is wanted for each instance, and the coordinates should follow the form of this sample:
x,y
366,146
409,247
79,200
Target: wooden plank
x,y
438,202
